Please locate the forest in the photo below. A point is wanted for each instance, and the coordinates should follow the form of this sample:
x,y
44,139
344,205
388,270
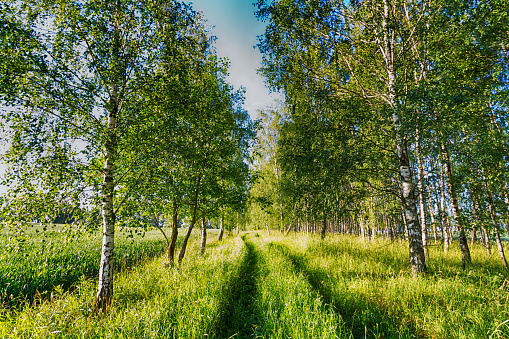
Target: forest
x,y
143,200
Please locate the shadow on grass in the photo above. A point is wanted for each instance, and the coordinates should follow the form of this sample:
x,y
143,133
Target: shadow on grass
x,y
364,318
238,316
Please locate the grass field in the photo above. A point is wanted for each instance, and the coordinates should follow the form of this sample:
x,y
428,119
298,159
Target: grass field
x,y
255,286
34,262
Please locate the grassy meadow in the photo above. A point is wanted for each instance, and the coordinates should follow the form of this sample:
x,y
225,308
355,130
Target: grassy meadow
x,y
298,286
34,261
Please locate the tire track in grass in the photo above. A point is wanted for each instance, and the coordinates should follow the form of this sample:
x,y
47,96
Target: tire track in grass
x,y
238,316
364,318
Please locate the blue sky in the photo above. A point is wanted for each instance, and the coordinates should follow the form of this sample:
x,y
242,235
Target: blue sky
x,y
236,28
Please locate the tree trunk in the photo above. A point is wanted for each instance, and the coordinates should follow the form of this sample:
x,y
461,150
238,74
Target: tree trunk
x,y
417,257
193,221
443,212
432,216
487,243
465,251
105,286
494,221
476,221
289,229
422,203
221,230
500,247
174,233
324,228
203,241
506,196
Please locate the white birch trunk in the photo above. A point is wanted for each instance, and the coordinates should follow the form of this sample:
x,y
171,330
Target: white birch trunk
x,y
105,286
221,230
443,212
417,257
422,203
432,216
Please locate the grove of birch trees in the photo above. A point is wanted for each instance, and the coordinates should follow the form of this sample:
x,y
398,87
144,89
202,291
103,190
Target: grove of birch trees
x,y
117,113
394,121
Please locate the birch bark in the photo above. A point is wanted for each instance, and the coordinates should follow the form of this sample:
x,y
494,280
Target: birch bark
x,y
105,286
221,230
417,257
422,202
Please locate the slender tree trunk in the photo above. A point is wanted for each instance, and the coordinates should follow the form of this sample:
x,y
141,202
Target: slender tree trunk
x,y
422,202
476,220
289,229
417,257
193,221
174,233
221,230
432,216
324,227
491,208
203,241
465,251
105,286
443,212
405,225
506,199
487,242
281,216
500,247
361,228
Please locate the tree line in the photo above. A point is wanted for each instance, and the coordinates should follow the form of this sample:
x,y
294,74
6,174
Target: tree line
x,y
394,121
119,114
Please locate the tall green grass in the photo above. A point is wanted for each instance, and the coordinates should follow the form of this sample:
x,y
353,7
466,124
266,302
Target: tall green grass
x,y
32,266
150,301
370,284
284,287
289,305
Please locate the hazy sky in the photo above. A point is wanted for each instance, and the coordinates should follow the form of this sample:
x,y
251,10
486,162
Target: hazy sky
x,y
236,29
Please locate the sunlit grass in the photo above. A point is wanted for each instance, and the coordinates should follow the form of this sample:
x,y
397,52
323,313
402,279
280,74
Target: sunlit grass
x,y
152,300
373,277
284,287
31,267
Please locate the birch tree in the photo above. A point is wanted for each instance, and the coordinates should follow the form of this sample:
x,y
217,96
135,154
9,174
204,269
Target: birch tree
x,y
78,108
363,55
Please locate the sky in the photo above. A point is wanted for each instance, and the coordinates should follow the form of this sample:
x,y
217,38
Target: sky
x,y
234,24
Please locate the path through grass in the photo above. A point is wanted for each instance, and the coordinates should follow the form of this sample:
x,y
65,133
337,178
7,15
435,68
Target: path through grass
x,y
283,287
